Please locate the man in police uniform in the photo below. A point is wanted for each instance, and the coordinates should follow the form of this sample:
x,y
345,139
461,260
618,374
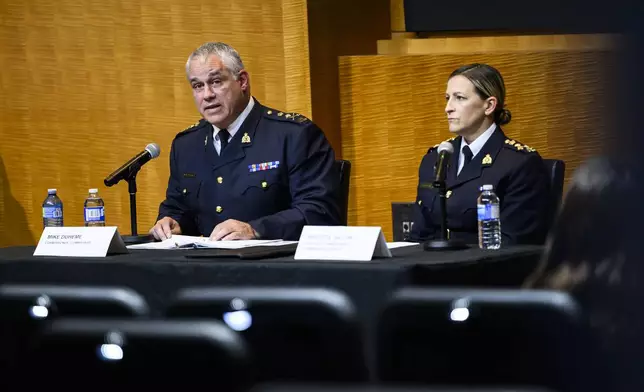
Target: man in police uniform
x,y
245,171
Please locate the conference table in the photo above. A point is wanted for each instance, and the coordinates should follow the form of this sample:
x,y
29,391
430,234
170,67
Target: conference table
x,y
158,274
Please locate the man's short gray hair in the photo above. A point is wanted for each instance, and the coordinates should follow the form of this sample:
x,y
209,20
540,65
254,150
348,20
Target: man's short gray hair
x,y
225,52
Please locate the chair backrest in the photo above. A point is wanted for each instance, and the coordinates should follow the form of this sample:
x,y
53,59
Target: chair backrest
x,y
556,171
344,167
315,331
41,301
485,337
25,309
72,353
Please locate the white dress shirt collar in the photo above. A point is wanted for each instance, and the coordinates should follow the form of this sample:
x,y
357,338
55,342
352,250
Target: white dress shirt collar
x,y
236,124
475,146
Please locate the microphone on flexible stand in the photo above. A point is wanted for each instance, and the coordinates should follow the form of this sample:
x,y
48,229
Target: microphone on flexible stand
x,y
445,151
132,167
128,172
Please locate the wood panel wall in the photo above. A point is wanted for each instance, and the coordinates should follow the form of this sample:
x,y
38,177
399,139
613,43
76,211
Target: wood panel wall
x,y
87,84
392,111
340,28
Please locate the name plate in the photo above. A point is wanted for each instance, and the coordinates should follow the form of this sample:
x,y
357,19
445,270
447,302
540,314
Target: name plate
x,y
341,243
80,242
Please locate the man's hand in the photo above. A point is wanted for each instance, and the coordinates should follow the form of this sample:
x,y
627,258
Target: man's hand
x,y
165,228
233,230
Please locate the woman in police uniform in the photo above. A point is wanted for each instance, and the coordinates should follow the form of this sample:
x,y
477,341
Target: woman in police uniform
x,y
475,109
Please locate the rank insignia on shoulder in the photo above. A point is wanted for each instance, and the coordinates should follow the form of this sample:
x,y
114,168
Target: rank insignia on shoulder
x,y
298,118
245,138
255,167
192,126
518,146
292,116
436,146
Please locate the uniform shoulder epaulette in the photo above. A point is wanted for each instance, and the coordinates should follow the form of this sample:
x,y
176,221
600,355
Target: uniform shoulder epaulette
x,y
283,116
436,146
514,145
190,128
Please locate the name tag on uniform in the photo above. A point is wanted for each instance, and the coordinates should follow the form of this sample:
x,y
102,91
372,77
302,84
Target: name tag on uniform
x,y
255,167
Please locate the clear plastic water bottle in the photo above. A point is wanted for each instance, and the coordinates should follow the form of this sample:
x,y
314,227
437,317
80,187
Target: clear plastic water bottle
x,y
488,209
52,210
94,209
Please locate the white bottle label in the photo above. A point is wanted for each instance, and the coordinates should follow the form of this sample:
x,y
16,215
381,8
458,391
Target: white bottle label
x,y
488,212
52,212
94,214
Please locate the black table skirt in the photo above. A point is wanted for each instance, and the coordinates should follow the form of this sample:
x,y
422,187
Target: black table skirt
x,y
157,274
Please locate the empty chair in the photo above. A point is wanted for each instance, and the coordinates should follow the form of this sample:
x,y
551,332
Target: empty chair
x,y
485,337
556,171
300,334
24,308
344,167
85,354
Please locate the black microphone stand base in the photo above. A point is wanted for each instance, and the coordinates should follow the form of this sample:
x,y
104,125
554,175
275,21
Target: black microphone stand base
x,y
137,239
452,244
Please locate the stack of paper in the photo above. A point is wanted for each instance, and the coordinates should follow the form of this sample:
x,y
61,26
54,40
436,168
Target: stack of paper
x,y
238,244
186,241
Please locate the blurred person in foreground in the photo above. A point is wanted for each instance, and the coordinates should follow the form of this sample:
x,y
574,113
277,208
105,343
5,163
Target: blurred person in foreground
x,y
593,254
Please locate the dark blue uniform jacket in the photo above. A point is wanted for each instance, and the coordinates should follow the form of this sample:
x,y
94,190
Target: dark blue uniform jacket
x,y
519,177
275,174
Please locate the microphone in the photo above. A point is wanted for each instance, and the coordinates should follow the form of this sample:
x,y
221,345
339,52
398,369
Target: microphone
x,y
445,151
132,166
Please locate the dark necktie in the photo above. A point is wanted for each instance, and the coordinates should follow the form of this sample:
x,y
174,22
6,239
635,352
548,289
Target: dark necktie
x,y
467,155
223,139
